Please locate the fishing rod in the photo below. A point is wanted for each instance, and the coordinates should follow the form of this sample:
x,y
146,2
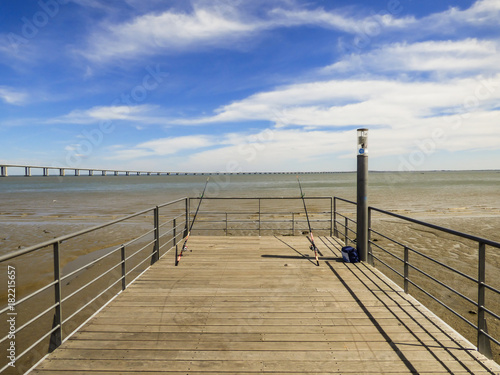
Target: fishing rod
x,y
311,240
184,246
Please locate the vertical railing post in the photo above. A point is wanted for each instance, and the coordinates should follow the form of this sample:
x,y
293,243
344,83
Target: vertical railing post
x,y
406,269
335,229
57,335
293,223
156,247
188,201
259,217
174,236
124,267
346,227
226,223
370,249
331,216
483,342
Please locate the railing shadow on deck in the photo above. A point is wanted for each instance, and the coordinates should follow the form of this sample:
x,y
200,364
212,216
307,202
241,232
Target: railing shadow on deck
x,y
387,294
427,269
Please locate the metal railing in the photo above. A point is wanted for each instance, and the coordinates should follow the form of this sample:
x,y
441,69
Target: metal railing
x,y
411,270
43,329
264,215
344,222
65,298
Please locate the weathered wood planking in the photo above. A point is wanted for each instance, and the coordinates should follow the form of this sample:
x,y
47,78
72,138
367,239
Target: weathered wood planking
x,y
253,305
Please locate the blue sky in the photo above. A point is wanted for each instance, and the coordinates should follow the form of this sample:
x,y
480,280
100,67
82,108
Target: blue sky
x,y
250,85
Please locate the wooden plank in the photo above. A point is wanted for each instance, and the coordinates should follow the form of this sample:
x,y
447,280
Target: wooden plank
x,y
260,305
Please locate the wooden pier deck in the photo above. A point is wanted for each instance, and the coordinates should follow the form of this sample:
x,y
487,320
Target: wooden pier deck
x,y
257,305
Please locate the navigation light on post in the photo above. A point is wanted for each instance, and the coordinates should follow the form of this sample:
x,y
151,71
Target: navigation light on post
x,y
362,141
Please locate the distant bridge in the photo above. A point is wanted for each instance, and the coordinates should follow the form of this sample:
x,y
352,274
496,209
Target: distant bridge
x,y
63,171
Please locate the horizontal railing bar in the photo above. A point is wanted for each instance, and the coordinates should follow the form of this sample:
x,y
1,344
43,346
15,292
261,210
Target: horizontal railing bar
x,y
345,200
388,266
491,288
490,337
491,312
443,265
345,217
421,254
165,244
171,230
440,228
442,304
171,202
264,221
30,295
138,264
91,301
256,214
33,345
443,284
387,251
170,221
91,263
19,329
30,249
262,198
141,249
387,238
90,282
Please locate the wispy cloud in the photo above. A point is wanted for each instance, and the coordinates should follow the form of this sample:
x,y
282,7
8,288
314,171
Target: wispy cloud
x,y
103,113
164,146
222,24
218,24
12,96
461,57
170,30
339,103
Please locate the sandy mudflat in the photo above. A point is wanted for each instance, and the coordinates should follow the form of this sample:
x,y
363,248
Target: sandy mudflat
x,y
468,202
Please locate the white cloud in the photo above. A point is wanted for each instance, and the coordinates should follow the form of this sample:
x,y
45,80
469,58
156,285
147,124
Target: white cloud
x,y
437,57
221,24
482,12
105,113
359,102
164,146
154,32
12,96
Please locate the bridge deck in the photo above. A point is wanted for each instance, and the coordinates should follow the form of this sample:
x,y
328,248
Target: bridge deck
x,y
253,305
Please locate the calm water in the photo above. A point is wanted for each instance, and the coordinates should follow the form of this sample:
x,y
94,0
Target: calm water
x,y
50,200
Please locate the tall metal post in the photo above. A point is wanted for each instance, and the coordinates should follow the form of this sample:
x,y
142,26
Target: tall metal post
x,y
156,247
56,336
362,195
188,207
483,342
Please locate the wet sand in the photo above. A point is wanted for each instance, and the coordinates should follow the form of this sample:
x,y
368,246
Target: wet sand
x,y
27,220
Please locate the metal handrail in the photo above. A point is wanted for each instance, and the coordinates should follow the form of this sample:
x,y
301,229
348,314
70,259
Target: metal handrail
x,y
440,228
61,239
60,322
483,337
258,216
170,231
